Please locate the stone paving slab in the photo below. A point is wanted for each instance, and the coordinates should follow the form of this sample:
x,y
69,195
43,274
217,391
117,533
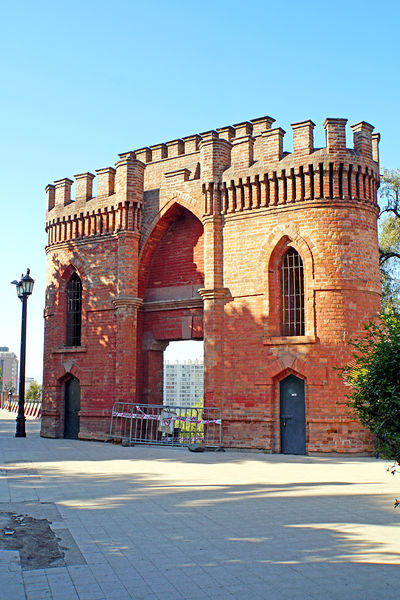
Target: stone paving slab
x,y
149,523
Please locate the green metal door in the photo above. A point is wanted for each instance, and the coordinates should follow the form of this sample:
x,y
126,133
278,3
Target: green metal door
x,y
72,408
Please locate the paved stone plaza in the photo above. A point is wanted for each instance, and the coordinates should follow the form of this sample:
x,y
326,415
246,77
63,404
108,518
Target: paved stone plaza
x,y
153,523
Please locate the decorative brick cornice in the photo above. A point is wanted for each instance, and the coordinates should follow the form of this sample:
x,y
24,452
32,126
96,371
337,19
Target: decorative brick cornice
x,y
127,301
288,340
127,233
172,304
178,176
69,350
214,293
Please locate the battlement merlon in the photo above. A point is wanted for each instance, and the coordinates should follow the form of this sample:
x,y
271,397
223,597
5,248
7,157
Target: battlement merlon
x,y
261,124
84,186
105,182
62,196
129,178
335,130
375,147
215,155
303,137
362,136
273,144
246,145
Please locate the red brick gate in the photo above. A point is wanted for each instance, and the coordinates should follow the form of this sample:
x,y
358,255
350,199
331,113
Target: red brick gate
x,y
271,257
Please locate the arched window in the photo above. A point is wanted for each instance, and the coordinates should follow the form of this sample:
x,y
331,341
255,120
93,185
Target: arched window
x,y
292,293
74,311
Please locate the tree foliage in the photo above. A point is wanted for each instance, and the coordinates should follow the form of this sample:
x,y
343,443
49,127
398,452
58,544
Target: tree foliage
x,y
374,379
389,247
389,192
389,239
34,391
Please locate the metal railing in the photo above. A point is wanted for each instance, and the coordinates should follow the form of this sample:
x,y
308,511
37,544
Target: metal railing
x,y
162,425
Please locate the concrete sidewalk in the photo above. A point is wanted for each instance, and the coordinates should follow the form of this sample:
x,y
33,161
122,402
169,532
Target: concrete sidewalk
x,y
155,523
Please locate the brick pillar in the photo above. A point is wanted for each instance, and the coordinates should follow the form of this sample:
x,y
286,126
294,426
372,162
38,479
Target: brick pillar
x,y
153,372
51,423
214,301
126,307
213,295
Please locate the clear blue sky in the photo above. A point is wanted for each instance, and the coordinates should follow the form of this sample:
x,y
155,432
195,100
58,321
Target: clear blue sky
x,y
84,81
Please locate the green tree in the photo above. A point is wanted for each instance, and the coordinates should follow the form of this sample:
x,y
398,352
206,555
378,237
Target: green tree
x,y
374,379
389,239
34,391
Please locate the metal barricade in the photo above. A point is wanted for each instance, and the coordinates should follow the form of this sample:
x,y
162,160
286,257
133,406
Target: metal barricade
x,y
165,425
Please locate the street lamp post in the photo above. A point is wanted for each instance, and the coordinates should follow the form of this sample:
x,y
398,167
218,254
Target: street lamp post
x,y
24,290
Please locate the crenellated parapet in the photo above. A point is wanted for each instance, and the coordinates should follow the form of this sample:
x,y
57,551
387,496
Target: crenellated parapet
x,y
232,169
117,206
333,173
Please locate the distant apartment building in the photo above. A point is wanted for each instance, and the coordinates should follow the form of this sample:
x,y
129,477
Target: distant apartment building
x,y
8,370
183,383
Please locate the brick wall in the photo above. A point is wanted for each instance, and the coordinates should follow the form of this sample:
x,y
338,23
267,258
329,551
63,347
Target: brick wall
x,y
184,241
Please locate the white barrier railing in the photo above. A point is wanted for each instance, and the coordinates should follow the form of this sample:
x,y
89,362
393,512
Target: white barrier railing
x,y
166,425
31,409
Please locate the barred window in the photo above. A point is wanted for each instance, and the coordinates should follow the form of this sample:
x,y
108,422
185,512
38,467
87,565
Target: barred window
x,y
74,311
292,293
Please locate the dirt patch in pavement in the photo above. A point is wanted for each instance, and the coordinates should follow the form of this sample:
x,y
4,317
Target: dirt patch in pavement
x,y
35,530
35,541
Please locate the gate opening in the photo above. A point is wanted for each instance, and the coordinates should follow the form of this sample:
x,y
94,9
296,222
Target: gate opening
x,y
183,382
181,420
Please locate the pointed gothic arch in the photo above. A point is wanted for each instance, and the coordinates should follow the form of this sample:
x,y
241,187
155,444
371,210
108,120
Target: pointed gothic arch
x,y
168,215
291,297
74,310
69,303
177,199
171,270
290,313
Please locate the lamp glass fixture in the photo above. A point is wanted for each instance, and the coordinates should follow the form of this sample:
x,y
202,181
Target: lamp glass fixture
x,y
27,283
20,289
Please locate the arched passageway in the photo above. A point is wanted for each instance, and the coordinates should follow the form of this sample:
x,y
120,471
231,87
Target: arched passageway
x,y
172,272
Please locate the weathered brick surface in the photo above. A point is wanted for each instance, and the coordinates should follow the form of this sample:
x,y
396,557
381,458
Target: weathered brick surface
x,y
184,241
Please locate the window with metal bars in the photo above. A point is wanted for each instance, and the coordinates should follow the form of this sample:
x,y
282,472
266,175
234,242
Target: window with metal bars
x,y
292,293
74,311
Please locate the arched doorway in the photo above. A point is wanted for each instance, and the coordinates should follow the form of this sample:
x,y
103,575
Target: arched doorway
x,y
292,415
72,399
171,273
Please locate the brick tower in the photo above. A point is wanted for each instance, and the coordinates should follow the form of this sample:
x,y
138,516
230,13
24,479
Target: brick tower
x,y
269,257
